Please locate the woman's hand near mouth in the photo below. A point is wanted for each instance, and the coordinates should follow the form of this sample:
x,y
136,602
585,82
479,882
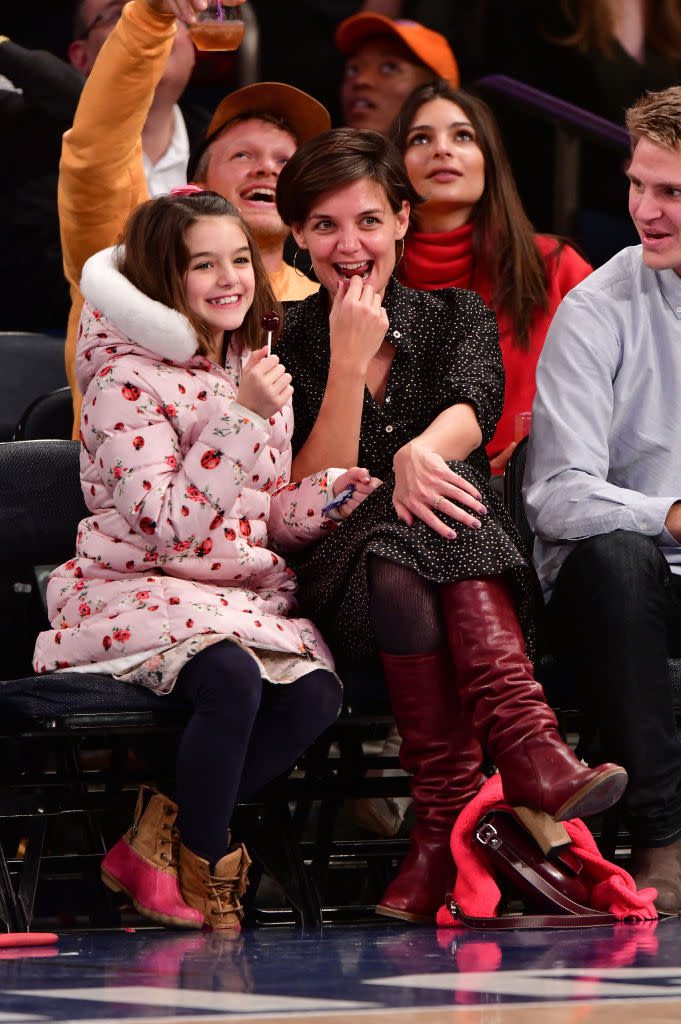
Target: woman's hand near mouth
x,y
358,323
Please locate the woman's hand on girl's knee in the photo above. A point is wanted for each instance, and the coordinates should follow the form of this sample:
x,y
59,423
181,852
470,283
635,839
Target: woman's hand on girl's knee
x,y
426,486
363,485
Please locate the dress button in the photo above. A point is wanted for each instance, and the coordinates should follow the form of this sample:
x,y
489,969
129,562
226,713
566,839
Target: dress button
x,y
396,334
389,429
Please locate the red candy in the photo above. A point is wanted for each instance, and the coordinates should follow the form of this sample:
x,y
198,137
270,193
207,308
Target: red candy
x,y
270,321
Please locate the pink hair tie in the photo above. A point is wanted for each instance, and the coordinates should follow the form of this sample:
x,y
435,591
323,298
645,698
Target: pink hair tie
x,y
186,190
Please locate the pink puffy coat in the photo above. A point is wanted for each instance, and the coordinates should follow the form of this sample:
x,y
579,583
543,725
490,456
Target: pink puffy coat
x,y
189,494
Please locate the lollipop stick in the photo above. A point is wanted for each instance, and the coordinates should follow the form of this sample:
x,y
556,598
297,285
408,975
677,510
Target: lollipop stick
x,y
269,343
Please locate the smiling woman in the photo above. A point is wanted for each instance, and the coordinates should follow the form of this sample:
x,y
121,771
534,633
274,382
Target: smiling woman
x,y
428,574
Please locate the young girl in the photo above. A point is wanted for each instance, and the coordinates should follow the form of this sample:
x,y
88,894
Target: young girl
x,y
186,452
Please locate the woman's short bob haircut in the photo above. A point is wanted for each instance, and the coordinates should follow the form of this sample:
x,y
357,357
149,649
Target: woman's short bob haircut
x,y
336,159
155,258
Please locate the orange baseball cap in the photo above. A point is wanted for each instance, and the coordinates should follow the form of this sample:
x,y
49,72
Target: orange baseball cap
x,y
305,115
429,47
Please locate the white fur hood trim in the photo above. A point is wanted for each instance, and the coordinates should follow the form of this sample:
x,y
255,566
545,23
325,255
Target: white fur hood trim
x,y
144,321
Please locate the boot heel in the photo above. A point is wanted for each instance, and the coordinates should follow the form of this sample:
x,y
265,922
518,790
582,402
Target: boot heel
x,y
550,835
111,882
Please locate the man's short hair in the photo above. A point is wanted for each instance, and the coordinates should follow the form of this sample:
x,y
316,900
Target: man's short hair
x,y
657,117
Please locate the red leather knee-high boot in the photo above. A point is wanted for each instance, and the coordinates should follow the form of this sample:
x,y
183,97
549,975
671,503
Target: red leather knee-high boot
x,y
511,717
440,751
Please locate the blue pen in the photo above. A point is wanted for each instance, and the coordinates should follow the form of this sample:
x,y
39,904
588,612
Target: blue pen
x,y
339,500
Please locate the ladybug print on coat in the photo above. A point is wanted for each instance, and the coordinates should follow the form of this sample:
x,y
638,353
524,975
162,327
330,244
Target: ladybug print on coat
x,y
173,469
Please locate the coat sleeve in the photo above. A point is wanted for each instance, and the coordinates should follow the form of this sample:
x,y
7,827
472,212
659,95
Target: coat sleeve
x,y
159,490
567,494
296,516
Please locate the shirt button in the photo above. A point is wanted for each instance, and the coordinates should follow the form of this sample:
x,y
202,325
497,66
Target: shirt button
x,y
396,334
678,309
389,429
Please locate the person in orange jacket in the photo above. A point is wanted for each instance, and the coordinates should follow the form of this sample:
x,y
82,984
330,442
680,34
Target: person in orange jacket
x,y
102,175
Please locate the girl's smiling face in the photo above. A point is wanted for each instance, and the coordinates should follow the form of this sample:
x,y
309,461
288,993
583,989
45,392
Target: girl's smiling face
x,y
220,282
445,164
351,232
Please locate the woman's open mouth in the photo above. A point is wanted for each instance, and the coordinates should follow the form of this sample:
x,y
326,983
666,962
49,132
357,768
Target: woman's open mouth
x,y
358,269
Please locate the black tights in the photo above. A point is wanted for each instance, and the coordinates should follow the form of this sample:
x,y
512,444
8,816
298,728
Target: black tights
x,y
243,733
405,609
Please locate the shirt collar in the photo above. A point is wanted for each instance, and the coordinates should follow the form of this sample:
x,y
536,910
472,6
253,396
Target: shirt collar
x,y
669,284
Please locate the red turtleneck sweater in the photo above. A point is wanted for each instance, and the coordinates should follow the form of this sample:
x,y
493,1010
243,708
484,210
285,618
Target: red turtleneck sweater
x,y
445,260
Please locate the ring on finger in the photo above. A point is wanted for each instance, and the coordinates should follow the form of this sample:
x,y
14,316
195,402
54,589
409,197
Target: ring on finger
x,y
437,503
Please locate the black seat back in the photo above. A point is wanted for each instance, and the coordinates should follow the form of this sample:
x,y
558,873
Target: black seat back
x,y
49,416
31,364
41,502
513,492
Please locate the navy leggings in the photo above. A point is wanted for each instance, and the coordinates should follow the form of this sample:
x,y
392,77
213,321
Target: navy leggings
x,y
243,733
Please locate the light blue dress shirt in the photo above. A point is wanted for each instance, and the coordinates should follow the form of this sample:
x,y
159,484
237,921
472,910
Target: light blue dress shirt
x,y
605,445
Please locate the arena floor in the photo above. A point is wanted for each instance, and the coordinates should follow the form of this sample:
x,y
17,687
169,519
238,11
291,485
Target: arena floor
x,y
372,974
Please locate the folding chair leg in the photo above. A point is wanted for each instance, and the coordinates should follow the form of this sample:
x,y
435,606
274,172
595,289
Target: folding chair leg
x,y
274,845
10,911
28,884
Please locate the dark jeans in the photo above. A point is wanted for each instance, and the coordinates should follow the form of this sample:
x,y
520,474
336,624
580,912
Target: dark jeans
x,y
615,616
243,733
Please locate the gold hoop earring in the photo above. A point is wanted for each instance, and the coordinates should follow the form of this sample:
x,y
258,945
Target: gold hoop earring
x,y
295,257
397,261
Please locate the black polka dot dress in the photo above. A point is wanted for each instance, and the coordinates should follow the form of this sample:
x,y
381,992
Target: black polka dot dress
x,y
446,352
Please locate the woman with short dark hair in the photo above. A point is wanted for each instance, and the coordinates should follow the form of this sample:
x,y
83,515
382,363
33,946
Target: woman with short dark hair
x,y
428,573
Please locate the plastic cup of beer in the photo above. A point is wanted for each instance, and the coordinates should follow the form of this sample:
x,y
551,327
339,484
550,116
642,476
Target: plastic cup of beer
x,y
219,27
522,424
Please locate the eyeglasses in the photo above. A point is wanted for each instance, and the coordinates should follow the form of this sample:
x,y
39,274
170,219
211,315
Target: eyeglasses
x,y
105,19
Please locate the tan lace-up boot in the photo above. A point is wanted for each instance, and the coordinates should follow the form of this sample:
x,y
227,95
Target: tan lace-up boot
x,y
218,896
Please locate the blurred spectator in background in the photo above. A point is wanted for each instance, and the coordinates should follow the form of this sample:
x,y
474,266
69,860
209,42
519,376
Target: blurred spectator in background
x,y
600,55
35,111
385,61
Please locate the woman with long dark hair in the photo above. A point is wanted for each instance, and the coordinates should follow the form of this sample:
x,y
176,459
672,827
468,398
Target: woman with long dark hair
x,y
471,231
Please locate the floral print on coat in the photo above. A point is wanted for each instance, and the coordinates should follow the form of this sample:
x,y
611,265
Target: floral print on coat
x,y
191,511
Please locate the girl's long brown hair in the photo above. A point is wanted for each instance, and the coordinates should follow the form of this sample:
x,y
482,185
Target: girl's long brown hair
x,y
593,23
155,259
503,237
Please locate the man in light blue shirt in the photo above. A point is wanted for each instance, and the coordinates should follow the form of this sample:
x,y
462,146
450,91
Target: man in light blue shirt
x,y
603,493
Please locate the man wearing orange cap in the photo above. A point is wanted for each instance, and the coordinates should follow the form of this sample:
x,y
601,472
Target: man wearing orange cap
x,y
386,60
254,131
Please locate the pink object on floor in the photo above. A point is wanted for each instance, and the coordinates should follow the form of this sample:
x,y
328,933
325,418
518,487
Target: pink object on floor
x,y
27,939
477,893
